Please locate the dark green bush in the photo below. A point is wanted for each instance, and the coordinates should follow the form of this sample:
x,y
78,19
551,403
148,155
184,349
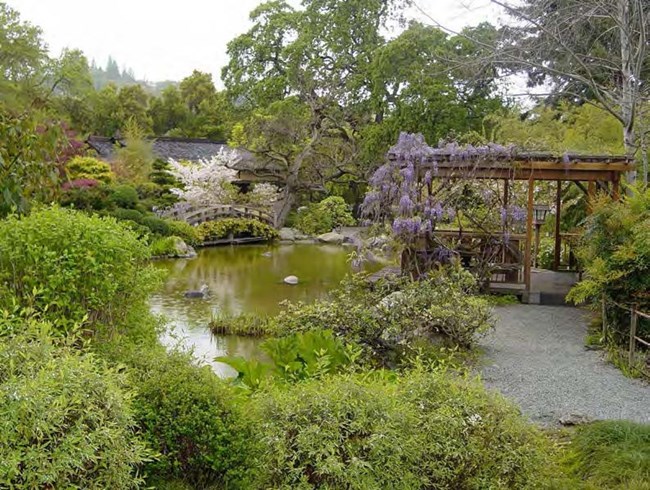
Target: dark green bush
x,y
128,214
423,430
66,418
158,226
124,196
86,199
192,418
72,268
236,227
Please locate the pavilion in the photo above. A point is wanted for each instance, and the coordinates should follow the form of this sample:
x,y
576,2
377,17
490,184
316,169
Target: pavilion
x,y
591,173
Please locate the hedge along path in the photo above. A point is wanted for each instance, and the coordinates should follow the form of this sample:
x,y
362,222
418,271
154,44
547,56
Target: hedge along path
x,y
537,357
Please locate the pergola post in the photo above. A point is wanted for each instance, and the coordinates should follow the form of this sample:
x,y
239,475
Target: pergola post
x,y
591,195
529,235
558,238
616,188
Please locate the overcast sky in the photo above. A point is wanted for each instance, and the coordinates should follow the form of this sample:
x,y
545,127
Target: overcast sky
x,y
166,40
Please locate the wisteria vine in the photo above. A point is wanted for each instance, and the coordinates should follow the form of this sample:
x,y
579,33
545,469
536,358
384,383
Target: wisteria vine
x,y
402,192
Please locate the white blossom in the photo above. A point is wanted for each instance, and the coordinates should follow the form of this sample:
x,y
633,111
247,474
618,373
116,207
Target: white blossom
x,y
207,182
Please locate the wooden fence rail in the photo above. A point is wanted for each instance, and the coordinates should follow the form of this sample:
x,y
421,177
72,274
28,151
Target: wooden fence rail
x,y
635,314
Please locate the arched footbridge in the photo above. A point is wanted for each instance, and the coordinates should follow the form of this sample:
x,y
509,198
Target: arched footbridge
x,y
196,215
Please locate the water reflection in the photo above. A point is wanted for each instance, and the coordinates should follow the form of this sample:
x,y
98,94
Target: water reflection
x,y
241,279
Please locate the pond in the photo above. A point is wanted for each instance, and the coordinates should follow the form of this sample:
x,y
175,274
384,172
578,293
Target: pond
x,y
242,279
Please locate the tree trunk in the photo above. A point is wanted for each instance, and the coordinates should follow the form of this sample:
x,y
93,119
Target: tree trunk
x,y
629,84
288,197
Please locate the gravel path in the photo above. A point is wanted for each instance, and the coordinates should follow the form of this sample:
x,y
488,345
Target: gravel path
x,y
536,356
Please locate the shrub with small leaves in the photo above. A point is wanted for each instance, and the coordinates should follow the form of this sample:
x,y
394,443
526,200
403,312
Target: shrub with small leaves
x,y
81,167
332,212
73,268
415,431
237,228
124,196
67,420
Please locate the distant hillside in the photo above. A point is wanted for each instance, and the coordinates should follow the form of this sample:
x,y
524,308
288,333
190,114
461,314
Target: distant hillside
x,y
112,74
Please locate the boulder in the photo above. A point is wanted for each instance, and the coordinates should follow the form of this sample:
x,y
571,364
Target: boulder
x,y
331,237
293,280
182,250
287,234
391,300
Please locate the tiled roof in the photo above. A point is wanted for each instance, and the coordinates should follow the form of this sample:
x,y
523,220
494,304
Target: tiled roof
x,y
192,149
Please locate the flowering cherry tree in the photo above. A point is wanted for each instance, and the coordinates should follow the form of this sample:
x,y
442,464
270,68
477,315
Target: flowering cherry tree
x,y
208,182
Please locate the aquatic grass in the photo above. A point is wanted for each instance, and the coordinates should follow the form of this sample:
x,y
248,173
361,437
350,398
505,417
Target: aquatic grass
x,y
243,324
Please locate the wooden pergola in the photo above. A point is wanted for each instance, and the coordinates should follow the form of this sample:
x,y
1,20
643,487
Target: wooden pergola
x,y
588,172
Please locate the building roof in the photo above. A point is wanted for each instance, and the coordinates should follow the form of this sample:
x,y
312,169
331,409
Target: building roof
x,y
165,147
193,149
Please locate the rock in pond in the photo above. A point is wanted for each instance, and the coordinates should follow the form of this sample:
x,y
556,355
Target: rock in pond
x,y
182,250
331,237
293,280
201,293
287,234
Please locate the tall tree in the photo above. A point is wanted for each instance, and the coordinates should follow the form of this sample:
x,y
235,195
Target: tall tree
x,y
23,58
593,51
320,56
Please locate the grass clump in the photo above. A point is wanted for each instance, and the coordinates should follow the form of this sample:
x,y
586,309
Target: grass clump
x,y
243,324
611,454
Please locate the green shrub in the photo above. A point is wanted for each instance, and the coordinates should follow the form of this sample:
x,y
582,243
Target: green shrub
x,y
424,430
187,232
81,167
615,251
386,318
294,357
66,419
124,196
158,226
72,268
128,214
236,227
332,212
87,198
192,418
611,454
164,247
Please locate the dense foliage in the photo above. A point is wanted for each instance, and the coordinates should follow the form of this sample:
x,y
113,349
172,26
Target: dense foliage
x,y
190,418
615,251
332,212
236,228
419,430
67,420
294,357
610,454
89,168
386,319
72,268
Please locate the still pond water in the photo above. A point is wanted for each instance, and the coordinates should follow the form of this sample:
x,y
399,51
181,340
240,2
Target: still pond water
x,y
242,279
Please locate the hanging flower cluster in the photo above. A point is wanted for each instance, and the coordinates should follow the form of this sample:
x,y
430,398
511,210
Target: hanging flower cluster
x,y
397,192
401,189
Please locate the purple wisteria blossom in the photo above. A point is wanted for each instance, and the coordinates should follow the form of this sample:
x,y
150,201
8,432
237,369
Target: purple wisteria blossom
x,y
518,213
